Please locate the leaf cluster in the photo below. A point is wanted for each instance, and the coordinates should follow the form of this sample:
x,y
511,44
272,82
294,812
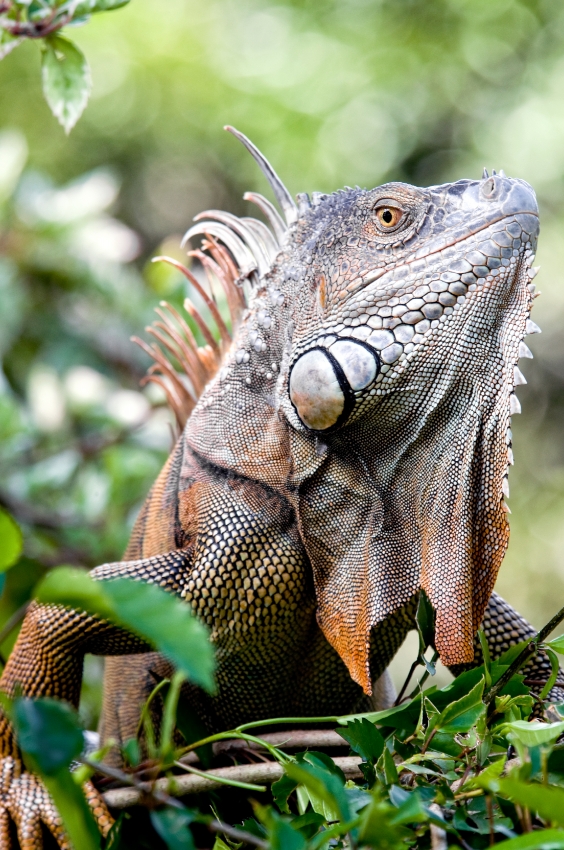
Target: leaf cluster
x,y
64,70
449,766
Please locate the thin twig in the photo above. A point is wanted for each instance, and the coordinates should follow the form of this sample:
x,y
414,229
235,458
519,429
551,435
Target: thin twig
x,y
236,834
142,789
424,677
13,621
531,648
10,624
234,783
412,669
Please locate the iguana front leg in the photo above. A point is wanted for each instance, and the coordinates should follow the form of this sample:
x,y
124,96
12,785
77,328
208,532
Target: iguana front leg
x,y
47,661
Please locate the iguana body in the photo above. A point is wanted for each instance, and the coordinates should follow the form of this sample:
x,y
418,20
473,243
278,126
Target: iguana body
x,y
352,448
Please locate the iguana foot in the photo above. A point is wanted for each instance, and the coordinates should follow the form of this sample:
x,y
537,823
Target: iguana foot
x,y
25,801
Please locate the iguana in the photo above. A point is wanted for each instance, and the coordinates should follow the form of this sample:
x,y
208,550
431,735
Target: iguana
x,y
349,447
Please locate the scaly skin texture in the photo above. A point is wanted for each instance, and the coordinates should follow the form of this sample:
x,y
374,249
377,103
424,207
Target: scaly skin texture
x,y
352,449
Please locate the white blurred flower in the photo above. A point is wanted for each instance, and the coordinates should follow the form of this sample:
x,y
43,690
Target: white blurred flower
x,y
85,386
157,432
13,156
106,240
46,399
88,196
155,393
54,471
94,489
128,407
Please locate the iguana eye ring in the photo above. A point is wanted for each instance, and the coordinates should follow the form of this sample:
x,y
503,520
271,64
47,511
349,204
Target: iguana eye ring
x,y
388,217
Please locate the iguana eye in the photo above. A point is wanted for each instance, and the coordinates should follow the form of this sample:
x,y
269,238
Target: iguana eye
x,y
389,217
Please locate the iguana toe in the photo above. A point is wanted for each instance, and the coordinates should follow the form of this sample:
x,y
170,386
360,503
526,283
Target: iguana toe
x,y
25,801
29,805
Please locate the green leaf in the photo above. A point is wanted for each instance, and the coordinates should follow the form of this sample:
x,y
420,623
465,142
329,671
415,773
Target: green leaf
x,y
377,829
399,717
547,800
281,835
74,810
364,739
425,621
323,761
50,737
462,714
132,751
325,786
254,827
308,824
536,733
557,644
8,43
66,80
555,665
88,7
172,826
219,844
48,732
386,768
281,790
410,809
11,542
542,839
487,659
145,609
168,723
193,729
509,656
108,5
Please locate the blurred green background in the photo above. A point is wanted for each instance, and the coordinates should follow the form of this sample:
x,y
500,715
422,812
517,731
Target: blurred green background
x,y
335,92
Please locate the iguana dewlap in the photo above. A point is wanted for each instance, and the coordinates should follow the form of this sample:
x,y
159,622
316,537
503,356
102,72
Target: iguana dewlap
x,y
351,448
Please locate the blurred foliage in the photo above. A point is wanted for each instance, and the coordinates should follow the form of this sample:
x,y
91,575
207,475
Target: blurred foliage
x,y
335,92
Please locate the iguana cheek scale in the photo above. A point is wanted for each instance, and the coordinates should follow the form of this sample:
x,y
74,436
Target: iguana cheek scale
x,y
349,446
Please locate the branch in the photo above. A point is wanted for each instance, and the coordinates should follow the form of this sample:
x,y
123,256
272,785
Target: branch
x,y
180,786
531,648
296,739
236,834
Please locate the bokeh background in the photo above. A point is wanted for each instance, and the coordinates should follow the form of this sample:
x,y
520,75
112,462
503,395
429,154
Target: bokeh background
x,y
336,92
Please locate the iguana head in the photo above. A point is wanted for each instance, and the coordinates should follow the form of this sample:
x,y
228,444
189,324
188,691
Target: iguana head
x,y
372,380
